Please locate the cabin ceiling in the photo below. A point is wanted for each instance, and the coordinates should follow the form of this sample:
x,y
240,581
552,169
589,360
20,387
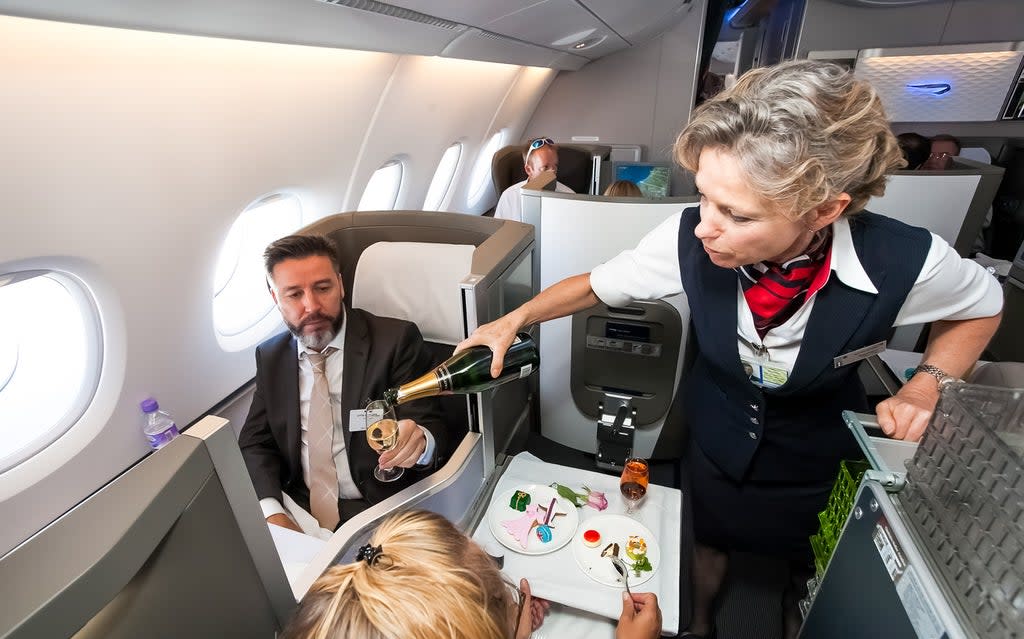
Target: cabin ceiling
x,y
561,34
610,25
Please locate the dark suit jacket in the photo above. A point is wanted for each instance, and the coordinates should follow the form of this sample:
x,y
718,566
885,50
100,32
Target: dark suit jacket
x,y
379,353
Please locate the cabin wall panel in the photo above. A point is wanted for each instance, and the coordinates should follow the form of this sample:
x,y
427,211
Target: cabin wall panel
x,y
427,106
515,110
929,24
642,95
133,153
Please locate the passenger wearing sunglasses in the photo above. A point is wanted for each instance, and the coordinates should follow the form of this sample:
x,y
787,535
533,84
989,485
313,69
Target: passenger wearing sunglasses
x,y
944,148
540,155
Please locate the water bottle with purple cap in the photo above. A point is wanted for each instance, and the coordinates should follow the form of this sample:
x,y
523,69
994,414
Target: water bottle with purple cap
x,y
158,426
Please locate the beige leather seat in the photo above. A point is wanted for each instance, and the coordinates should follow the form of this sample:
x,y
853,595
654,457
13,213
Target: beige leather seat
x,y
1001,374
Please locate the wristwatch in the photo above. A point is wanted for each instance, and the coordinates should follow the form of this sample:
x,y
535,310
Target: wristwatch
x,y
941,376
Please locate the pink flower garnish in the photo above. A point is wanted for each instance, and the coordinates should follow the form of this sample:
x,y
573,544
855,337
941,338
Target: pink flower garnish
x,y
596,499
593,498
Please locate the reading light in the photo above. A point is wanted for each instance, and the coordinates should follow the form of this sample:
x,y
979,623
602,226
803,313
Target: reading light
x,y
574,37
588,42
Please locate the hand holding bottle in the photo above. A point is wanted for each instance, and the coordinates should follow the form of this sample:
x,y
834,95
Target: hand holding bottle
x,y
469,371
498,335
564,298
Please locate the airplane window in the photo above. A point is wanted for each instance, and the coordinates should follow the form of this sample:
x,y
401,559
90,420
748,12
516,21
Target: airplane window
x,y
242,308
481,178
443,178
381,192
50,346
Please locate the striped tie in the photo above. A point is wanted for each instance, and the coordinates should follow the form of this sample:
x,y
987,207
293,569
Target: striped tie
x,y
774,292
323,474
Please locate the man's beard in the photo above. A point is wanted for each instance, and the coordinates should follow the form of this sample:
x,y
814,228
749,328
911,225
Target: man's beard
x,y
317,340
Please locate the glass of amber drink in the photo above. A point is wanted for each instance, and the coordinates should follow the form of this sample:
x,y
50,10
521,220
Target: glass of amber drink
x,y
633,483
382,435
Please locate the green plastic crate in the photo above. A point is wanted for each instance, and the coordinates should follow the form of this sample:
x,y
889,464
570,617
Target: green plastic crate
x,y
833,518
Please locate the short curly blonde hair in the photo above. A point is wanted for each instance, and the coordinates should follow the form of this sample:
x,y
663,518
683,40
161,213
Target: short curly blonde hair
x,y
803,132
429,582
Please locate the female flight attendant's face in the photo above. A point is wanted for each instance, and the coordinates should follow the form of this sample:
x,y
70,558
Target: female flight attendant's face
x,y
737,227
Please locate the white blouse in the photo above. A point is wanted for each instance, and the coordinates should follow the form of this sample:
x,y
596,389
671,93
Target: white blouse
x,y
947,288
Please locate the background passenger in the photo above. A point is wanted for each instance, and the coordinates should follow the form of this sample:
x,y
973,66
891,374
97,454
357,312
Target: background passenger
x,y
420,577
915,148
623,188
943,149
784,272
540,155
298,438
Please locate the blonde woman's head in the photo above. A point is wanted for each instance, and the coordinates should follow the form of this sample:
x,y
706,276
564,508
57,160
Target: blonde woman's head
x,y
623,188
804,133
429,582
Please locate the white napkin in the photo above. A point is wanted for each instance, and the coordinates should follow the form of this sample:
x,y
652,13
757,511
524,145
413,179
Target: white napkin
x,y
304,519
556,575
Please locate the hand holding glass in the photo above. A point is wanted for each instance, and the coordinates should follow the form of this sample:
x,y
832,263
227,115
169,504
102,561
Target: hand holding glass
x,y
382,435
633,483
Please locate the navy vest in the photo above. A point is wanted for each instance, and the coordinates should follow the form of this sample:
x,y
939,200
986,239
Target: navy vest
x,y
794,432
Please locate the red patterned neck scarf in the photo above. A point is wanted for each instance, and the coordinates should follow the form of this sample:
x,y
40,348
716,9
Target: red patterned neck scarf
x,y
774,292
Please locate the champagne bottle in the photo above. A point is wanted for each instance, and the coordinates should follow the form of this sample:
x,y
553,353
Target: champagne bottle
x,y
469,372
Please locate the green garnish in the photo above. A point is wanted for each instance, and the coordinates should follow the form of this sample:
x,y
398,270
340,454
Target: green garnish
x,y
642,564
569,494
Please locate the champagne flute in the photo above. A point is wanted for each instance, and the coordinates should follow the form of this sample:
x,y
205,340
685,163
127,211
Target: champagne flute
x,y
633,483
382,435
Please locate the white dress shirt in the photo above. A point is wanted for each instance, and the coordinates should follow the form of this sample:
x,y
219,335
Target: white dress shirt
x,y
510,204
347,488
947,288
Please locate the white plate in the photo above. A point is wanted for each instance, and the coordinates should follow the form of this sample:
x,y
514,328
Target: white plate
x,y
617,529
563,527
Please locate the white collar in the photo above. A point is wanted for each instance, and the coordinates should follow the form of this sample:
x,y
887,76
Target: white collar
x,y
338,342
844,259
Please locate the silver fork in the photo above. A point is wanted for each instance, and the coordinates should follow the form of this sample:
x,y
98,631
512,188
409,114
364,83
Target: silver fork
x,y
623,570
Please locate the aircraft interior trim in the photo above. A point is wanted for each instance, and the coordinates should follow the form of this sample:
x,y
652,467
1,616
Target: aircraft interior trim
x,y
152,151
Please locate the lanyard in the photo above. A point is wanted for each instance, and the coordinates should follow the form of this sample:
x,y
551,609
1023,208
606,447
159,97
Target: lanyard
x,y
760,350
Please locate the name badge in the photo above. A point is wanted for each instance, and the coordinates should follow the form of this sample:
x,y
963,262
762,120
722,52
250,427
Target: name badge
x,y
358,419
858,355
764,372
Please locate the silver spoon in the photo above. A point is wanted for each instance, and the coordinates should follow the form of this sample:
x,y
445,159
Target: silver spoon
x,y
623,570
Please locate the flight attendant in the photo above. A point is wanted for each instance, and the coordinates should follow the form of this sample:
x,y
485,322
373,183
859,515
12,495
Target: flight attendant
x,y
784,272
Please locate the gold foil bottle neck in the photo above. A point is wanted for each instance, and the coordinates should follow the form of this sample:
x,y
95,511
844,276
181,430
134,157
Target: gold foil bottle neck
x,y
426,385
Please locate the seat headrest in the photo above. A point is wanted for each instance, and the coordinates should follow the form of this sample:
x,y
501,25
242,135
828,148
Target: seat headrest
x,y
1001,374
976,153
415,281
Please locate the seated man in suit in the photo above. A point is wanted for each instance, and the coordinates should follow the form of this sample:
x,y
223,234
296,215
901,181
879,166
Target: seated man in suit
x,y
541,155
304,435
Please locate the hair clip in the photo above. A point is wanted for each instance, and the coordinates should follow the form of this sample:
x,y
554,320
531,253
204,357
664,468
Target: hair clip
x,y
369,553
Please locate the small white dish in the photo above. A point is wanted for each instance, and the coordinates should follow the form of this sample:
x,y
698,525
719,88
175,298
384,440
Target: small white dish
x,y
563,526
